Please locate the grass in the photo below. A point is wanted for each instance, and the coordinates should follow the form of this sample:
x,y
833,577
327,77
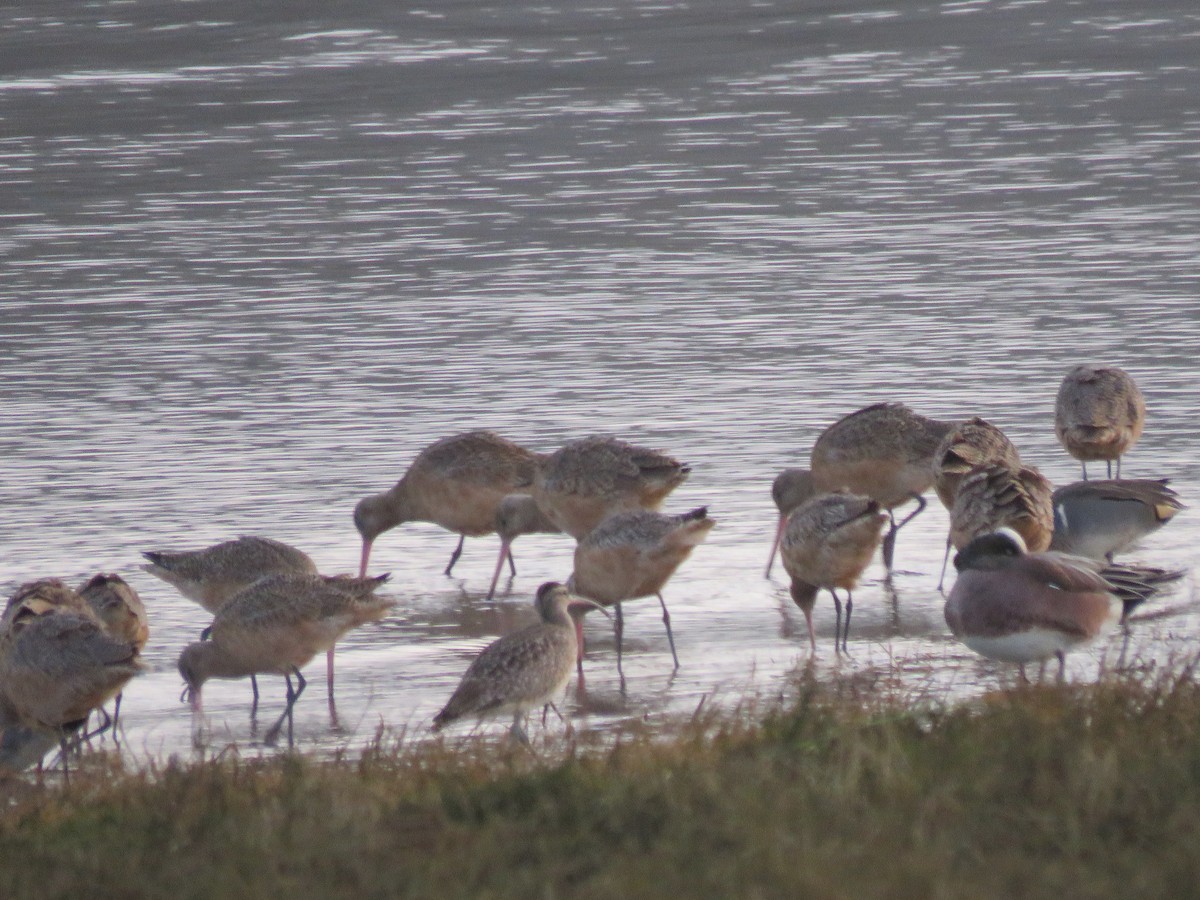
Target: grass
x,y
1089,791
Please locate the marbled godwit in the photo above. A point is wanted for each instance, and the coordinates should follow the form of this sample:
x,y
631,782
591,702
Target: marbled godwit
x,y
884,452
522,670
789,490
972,443
277,625
121,611
828,542
585,481
1099,414
631,555
456,482
41,596
994,496
1015,606
215,575
57,664
1101,518
516,515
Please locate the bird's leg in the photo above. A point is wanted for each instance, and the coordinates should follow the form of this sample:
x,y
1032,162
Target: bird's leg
x,y
1108,463
329,671
63,751
849,609
837,628
1021,672
1083,465
775,546
888,549
1062,666
518,729
456,554
1041,671
945,560
812,635
512,566
667,622
116,712
619,631
254,703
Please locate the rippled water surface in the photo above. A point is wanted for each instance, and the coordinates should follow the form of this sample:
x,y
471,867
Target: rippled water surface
x,y
256,256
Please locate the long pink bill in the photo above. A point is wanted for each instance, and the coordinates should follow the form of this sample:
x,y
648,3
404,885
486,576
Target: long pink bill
x,y
505,552
775,545
366,556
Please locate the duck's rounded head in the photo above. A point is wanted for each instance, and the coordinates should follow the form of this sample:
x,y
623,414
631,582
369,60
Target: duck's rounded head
x,y
991,551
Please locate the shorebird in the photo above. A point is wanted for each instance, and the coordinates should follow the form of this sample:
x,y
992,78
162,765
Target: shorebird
x,y
993,496
40,596
1015,606
456,482
57,664
971,443
516,515
790,488
522,670
1101,518
828,542
121,611
1098,415
277,625
585,481
215,575
631,555
884,452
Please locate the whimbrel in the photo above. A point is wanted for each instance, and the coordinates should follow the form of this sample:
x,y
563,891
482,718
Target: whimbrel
x,y
972,443
277,625
884,452
827,543
631,555
523,670
1098,415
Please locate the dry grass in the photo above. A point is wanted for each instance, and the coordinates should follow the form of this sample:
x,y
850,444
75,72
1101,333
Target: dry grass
x,y
1081,791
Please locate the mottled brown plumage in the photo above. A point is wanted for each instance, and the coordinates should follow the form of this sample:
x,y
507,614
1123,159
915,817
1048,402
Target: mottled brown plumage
x,y
120,609
517,514
456,482
214,575
585,481
828,542
522,670
632,554
1099,414
790,488
972,443
277,625
884,452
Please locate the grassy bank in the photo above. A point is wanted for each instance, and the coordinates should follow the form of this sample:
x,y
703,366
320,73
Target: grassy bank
x,y
1087,791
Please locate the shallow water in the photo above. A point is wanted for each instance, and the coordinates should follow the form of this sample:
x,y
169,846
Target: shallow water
x,y
256,258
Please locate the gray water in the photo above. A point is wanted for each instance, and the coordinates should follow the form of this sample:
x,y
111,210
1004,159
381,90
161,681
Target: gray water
x,y
255,256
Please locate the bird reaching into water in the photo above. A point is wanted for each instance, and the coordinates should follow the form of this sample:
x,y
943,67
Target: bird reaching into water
x,y
828,543
885,452
277,625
